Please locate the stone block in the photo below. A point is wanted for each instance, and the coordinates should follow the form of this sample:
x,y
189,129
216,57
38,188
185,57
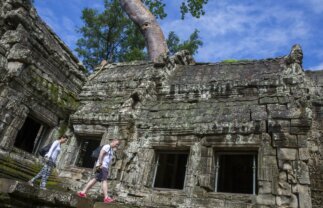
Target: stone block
x,y
301,140
278,126
259,127
287,113
303,154
15,36
206,181
3,126
264,187
267,173
287,154
304,196
266,199
303,173
2,50
258,112
169,139
284,140
300,126
276,107
285,165
184,141
292,177
6,118
282,188
283,100
282,176
268,100
20,52
7,140
287,201
268,150
214,139
28,194
268,161
3,65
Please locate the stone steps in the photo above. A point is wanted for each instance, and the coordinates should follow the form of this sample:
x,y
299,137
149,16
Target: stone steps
x,y
112,205
15,193
19,194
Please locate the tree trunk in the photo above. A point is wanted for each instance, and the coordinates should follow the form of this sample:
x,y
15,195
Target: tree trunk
x,y
141,16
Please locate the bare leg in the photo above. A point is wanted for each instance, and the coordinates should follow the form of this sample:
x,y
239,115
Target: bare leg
x,y
105,188
89,185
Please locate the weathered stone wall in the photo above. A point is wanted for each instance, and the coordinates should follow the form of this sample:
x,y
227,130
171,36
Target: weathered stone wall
x,y
315,143
39,77
268,106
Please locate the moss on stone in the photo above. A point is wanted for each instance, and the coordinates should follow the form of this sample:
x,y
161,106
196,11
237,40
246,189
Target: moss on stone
x,y
63,127
235,61
59,95
11,168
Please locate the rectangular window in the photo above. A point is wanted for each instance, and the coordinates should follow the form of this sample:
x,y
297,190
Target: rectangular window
x,y
86,147
31,134
236,172
170,170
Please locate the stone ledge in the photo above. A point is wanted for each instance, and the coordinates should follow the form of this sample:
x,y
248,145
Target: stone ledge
x,y
112,205
23,194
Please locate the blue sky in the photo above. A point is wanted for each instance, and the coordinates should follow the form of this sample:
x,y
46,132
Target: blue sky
x,y
230,29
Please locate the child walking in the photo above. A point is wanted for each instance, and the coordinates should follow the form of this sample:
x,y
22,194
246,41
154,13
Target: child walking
x,y
50,159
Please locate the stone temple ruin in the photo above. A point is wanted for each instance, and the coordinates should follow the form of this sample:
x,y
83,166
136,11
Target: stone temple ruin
x,y
244,134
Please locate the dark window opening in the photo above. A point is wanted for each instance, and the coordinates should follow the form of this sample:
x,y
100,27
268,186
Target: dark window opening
x,y
86,148
31,135
135,100
170,170
236,173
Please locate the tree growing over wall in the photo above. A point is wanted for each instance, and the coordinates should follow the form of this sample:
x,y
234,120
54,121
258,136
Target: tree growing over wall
x,y
112,36
148,26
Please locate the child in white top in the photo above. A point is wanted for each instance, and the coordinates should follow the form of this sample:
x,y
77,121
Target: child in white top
x,y
50,158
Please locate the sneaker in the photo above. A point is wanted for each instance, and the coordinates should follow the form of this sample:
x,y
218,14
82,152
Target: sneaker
x,y
108,200
30,183
82,195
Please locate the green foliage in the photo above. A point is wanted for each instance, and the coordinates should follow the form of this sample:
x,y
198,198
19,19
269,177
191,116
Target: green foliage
x,y
192,44
132,47
102,34
235,61
194,7
156,7
229,61
110,35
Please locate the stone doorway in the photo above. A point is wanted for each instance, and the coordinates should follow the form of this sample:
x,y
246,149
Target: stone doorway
x,y
87,145
171,169
30,135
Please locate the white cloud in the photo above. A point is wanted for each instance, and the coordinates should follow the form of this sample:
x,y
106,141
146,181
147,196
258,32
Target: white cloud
x,y
229,29
317,67
63,26
243,31
48,16
315,5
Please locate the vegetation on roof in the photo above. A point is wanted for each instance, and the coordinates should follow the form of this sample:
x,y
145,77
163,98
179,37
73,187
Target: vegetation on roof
x,y
235,60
